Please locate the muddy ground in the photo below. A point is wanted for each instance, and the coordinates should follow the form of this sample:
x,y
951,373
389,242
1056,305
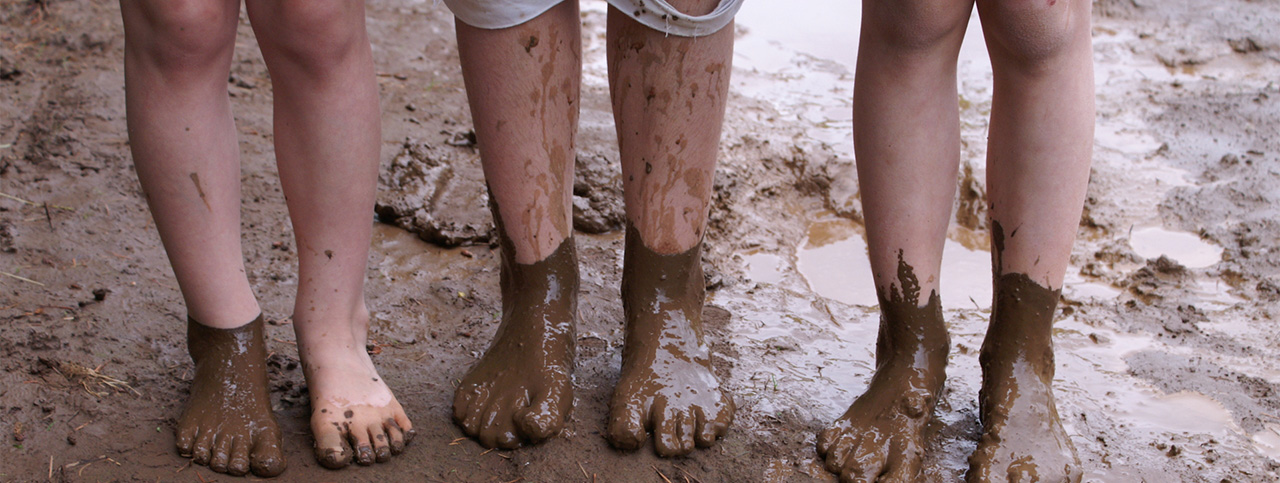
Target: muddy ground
x,y
1167,368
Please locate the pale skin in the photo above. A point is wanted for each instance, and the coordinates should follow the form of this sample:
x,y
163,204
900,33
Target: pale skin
x,y
668,96
327,137
907,143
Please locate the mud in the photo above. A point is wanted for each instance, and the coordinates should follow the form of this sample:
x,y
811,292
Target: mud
x,y
1022,435
1163,373
884,434
521,389
667,385
228,424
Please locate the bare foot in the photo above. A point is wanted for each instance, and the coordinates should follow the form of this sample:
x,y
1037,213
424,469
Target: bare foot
x,y
354,415
667,386
1022,437
522,389
881,436
228,423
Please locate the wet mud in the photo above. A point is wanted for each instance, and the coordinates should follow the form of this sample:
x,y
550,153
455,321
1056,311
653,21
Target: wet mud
x,y
521,390
94,368
667,386
228,424
884,434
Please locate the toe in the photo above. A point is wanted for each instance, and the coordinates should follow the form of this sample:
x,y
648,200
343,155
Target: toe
x,y
332,449
685,431
666,433
359,439
395,435
221,452
867,461
238,464
903,462
473,419
544,418
710,428
838,450
498,427
185,438
628,427
381,444
203,448
266,458
463,400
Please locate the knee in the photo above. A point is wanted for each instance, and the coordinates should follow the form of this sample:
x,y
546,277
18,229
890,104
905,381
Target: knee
x,y
315,35
182,35
914,25
1033,33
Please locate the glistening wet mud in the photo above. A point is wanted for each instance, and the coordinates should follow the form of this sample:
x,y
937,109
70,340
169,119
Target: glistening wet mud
x,y
521,390
228,424
885,432
667,386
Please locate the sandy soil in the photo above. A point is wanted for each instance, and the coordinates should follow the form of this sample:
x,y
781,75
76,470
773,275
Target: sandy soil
x,y
1167,367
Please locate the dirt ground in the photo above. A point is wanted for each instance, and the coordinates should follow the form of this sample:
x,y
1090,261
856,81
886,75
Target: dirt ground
x,y
1167,369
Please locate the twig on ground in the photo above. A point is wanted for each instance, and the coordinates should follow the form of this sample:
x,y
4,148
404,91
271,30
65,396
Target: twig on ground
x,y
32,203
664,477
24,279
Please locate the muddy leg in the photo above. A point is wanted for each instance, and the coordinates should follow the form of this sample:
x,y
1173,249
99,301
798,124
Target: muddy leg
x,y
327,137
1037,171
522,84
182,136
668,102
907,140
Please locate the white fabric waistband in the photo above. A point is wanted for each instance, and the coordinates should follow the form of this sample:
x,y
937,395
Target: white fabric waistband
x,y
655,14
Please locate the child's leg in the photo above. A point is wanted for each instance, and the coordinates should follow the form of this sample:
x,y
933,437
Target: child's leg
x,y
668,102
522,84
177,55
327,136
907,142
1041,142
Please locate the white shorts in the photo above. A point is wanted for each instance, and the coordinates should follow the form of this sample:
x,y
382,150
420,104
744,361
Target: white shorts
x,y
656,14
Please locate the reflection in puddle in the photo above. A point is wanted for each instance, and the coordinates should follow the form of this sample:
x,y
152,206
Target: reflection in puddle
x,y
833,259
1187,249
764,267
1173,413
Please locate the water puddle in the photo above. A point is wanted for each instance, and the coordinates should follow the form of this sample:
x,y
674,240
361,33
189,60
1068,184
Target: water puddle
x,y
833,260
764,267
1187,249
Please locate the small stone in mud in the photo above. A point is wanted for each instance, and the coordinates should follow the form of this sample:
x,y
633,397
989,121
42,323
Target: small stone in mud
x,y
100,294
467,253
1173,451
71,439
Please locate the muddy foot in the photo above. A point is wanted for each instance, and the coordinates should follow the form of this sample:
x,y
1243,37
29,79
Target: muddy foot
x,y
667,386
1022,437
522,389
354,415
882,435
228,424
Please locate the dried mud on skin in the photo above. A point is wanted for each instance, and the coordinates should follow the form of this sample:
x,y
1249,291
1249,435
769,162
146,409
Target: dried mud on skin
x,y
104,300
